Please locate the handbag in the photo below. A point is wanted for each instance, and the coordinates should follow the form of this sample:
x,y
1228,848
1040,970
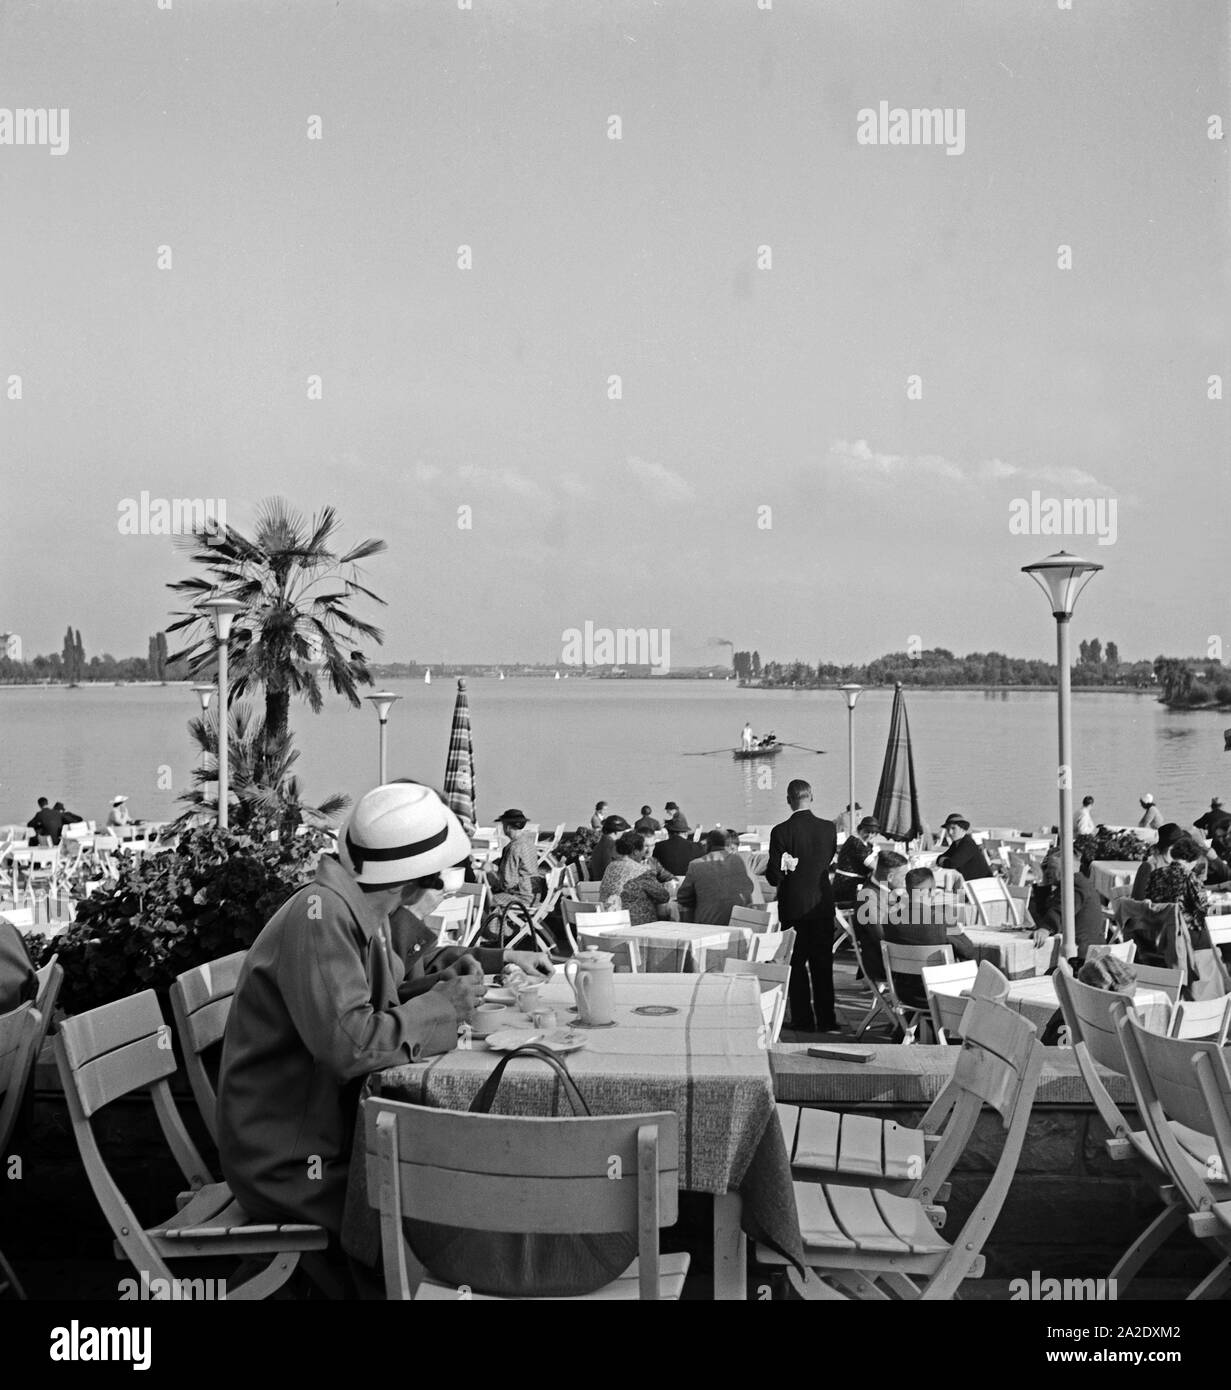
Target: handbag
x,y
515,1265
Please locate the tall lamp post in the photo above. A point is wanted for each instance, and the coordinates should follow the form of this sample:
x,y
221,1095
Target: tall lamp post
x,y
1062,577
852,694
223,611
383,701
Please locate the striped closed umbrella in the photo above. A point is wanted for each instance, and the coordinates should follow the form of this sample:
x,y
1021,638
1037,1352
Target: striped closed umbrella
x,y
459,769
897,797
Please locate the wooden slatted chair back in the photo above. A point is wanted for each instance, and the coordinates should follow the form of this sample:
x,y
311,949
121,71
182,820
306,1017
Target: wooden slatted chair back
x,y
592,1175
109,1052
201,1004
757,919
943,986
20,1029
997,1045
1125,951
626,954
1202,1018
607,921
588,890
992,902
767,946
1214,1080
770,975
1161,978
1167,1088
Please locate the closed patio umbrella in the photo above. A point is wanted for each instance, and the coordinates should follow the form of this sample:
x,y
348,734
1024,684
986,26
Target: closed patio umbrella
x,y
459,768
897,797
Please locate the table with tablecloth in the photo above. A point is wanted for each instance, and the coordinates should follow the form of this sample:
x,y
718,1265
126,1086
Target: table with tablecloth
x,y
1038,1001
680,947
1013,953
1113,878
706,1061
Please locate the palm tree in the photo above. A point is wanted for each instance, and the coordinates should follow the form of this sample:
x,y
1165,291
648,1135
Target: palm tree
x,y
260,774
297,628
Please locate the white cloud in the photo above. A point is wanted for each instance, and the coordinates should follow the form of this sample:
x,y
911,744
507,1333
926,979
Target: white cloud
x,y
868,462
657,478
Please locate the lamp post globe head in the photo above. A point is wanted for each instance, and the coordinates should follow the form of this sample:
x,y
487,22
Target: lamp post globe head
x,y
382,701
205,693
1062,577
852,693
223,611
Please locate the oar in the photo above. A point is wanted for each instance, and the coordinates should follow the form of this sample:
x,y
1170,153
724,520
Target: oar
x,y
708,753
805,748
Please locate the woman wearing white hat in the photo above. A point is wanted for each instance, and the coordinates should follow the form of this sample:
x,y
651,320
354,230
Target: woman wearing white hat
x,y
324,999
119,814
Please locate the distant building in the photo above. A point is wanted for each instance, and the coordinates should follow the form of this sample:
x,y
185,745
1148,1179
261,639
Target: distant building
x,y
10,646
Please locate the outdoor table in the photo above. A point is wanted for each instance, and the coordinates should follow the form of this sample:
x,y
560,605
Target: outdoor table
x,y
706,1062
683,947
1113,878
1013,953
1038,1001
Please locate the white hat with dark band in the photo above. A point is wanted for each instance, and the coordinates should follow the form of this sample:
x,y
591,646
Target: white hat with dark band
x,y
400,832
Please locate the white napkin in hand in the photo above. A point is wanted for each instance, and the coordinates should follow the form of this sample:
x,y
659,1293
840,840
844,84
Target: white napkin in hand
x,y
788,862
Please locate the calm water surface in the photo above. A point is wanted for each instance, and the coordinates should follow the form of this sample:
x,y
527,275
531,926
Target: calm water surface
x,y
553,748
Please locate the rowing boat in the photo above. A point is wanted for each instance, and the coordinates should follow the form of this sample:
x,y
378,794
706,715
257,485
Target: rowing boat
x,y
770,749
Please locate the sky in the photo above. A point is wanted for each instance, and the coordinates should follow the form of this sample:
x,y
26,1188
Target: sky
x,y
765,475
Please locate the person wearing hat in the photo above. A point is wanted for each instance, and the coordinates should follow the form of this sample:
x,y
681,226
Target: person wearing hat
x,y
854,864
119,815
1151,816
963,855
679,849
1168,834
604,852
517,873
323,999
1213,818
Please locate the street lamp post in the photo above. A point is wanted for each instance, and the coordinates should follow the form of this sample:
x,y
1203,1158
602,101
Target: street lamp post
x,y
383,701
852,693
223,611
1062,577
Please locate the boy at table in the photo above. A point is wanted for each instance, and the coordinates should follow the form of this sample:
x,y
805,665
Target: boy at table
x,y
324,998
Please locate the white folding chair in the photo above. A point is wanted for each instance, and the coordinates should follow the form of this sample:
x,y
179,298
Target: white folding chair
x,y
906,961
993,905
757,919
947,988
774,981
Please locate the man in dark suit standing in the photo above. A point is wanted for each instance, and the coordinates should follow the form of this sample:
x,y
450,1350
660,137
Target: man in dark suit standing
x,y
801,850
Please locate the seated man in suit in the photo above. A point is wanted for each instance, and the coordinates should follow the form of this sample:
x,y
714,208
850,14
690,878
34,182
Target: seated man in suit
x,y
872,909
963,854
714,884
1045,907
679,849
801,851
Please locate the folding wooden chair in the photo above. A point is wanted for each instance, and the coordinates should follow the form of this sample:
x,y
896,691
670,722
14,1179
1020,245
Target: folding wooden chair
x,y
766,946
546,1176
879,1003
570,911
907,961
774,981
1091,1016
477,893
201,1004
119,1048
1160,977
1166,1078
588,890
1202,1018
757,919
598,921
1125,951
948,1004
626,952
451,917
868,1242
20,1032
993,905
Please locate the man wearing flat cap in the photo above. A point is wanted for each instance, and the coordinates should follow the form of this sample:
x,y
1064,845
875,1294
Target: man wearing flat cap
x,y
325,997
963,854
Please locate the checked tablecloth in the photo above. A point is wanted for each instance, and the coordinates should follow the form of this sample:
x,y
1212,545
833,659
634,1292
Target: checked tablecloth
x,y
706,1062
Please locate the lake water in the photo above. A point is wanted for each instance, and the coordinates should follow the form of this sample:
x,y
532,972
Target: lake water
x,y
553,748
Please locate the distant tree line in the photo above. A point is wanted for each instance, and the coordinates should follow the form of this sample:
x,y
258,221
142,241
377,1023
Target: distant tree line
x,y
1184,682
69,665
